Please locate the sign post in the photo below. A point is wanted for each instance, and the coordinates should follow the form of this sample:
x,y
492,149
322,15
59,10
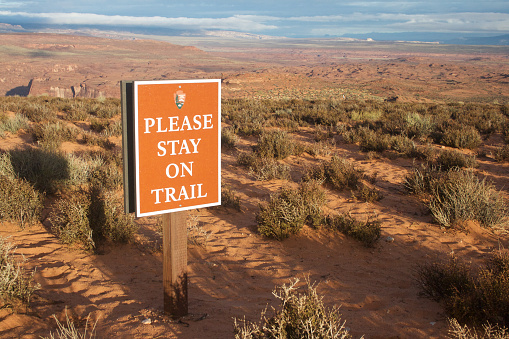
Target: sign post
x,y
172,163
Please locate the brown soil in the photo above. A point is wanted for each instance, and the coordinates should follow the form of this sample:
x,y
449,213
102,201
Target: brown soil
x,y
233,273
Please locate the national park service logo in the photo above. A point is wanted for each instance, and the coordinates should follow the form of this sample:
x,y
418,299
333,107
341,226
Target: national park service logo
x,y
180,98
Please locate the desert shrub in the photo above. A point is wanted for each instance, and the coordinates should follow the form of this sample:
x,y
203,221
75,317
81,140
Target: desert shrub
x,y
82,168
461,196
14,124
38,112
248,117
277,144
368,232
105,109
16,284
228,137
462,137
46,170
228,198
302,314
321,148
449,159
92,216
51,135
475,296
107,175
488,331
19,201
323,133
423,179
366,115
418,126
502,153
287,211
264,168
196,233
70,220
368,194
338,172
405,146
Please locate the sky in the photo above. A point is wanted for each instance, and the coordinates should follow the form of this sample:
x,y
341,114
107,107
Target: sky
x,y
316,18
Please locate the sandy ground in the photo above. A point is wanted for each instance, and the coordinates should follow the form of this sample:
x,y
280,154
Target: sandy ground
x,y
233,273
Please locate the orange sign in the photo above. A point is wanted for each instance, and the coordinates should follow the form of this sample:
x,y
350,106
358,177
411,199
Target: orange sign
x,y
177,145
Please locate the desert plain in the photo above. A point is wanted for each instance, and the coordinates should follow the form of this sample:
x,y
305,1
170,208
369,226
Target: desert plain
x,y
233,270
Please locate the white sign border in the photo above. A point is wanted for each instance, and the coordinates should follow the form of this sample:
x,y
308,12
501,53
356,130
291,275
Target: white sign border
x,y
136,143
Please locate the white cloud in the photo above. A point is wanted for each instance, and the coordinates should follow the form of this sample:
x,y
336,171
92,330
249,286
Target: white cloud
x,y
236,22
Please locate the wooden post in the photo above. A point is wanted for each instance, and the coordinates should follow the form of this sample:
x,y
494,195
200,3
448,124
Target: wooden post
x,y
175,264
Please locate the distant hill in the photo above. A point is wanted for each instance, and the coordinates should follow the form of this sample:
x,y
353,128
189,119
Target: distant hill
x,y
493,40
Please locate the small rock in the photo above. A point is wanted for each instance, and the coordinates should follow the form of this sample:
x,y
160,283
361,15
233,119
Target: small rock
x,y
146,321
389,239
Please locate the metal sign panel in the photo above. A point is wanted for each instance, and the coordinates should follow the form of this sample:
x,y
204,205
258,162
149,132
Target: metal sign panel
x,y
177,145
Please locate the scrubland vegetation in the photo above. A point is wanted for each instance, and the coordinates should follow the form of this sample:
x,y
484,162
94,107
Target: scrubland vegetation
x,y
442,139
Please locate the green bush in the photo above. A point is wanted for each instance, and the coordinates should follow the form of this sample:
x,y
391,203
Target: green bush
x,y
368,232
338,172
19,201
15,283
302,314
475,296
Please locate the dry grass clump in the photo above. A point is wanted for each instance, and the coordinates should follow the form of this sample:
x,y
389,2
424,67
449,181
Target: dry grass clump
x,y
302,314
228,137
488,331
16,284
288,210
19,201
473,296
368,232
228,198
14,124
502,153
339,173
69,330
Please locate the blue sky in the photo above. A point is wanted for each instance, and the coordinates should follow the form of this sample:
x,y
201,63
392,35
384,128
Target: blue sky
x,y
277,17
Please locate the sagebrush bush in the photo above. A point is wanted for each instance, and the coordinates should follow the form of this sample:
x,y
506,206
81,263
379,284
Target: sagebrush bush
x,y
301,314
462,136
14,124
502,153
16,284
264,168
228,198
92,216
368,232
51,135
287,211
461,196
449,159
19,201
277,144
228,137
368,194
474,296
339,173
